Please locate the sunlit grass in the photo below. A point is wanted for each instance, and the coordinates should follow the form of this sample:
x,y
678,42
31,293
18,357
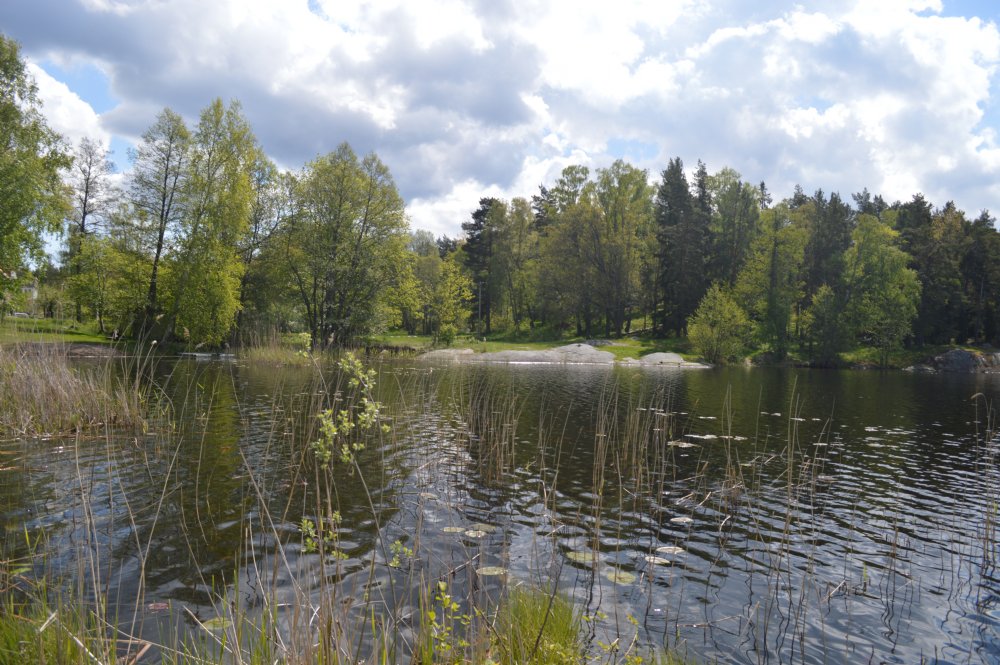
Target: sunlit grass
x,y
537,627
18,331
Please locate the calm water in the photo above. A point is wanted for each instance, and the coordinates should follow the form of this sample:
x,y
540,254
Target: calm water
x,y
809,516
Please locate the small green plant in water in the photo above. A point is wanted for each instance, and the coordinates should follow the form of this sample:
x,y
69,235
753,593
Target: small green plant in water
x,y
341,429
313,536
442,619
400,553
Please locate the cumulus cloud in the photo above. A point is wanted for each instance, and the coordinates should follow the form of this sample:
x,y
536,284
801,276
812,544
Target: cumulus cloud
x,y
67,114
465,99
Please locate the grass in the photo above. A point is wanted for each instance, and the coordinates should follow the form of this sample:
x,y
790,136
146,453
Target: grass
x,y
899,358
44,394
37,631
543,339
537,627
20,331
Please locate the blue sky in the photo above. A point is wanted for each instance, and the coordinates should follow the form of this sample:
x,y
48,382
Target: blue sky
x,y
465,99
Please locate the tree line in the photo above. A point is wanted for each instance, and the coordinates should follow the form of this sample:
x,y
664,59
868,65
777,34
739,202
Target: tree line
x,y
715,258
206,241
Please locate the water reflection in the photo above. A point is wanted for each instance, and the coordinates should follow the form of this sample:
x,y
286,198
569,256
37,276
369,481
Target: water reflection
x,y
762,515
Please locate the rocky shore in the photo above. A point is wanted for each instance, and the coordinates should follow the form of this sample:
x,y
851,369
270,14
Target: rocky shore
x,y
584,354
959,360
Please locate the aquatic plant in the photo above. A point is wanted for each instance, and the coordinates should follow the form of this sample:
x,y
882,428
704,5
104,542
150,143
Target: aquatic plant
x,y
43,393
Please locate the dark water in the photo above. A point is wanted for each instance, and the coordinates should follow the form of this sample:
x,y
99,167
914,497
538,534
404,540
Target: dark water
x,y
812,516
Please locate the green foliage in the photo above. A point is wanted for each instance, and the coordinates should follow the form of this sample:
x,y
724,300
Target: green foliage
x,y
344,246
885,293
719,327
771,282
445,623
206,268
155,205
400,554
537,627
322,538
33,199
342,430
825,326
734,224
449,306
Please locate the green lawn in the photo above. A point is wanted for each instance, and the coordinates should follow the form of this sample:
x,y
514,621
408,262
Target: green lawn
x,y
19,331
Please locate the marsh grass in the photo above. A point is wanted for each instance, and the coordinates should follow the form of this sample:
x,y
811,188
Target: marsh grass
x,y
535,626
45,394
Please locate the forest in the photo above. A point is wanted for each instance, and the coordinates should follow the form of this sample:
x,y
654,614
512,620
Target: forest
x,y
205,242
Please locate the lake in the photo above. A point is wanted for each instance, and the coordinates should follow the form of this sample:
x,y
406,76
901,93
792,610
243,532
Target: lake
x,y
735,515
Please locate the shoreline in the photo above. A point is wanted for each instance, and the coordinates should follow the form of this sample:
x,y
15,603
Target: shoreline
x,y
956,360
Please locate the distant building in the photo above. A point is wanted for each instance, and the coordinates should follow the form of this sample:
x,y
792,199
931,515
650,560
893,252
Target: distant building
x,y
30,292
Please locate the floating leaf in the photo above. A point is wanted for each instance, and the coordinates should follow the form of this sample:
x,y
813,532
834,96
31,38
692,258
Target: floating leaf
x,y
475,533
430,496
480,526
620,576
158,607
682,444
657,560
454,529
491,571
217,623
580,557
682,520
670,549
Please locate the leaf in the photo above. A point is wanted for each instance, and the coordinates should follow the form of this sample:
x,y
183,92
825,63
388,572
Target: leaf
x,y
491,571
620,576
580,557
670,549
217,623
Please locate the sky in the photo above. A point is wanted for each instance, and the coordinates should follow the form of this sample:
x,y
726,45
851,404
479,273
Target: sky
x,y
465,99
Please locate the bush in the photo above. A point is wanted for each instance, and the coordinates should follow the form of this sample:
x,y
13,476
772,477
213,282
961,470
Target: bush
x,y
719,328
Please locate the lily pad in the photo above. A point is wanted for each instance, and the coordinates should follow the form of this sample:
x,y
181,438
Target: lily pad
x,y
620,576
682,520
491,571
158,607
430,496
480,526
580,557
475,533
454,529
670,549
217,623
682,444
656,560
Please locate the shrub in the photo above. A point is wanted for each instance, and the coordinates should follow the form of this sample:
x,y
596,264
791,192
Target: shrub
x,y
719,328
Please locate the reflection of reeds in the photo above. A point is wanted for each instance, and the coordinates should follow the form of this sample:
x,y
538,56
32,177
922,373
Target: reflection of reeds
x,y
490,416
757,502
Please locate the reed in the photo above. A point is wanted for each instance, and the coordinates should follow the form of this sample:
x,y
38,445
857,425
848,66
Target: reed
x,y
297,590
44,394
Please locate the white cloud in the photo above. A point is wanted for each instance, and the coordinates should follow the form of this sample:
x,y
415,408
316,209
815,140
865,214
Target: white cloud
x,y
464,99
67,114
